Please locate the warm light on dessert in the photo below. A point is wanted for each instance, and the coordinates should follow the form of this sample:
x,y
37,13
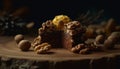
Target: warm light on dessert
x,y
60,20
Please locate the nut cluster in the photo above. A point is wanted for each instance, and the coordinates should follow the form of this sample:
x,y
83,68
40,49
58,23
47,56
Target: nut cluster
x,y
74,27
80,48
24,45
47,26
85,48
42,48
108,42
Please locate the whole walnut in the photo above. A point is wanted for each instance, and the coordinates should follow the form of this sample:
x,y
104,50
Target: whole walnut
x,y
100,39
109,44
18,38
74,50
24,45
115,36
110,26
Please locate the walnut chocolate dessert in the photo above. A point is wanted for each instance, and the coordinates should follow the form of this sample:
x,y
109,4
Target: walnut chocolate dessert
x,y
61,32
50,34
73,34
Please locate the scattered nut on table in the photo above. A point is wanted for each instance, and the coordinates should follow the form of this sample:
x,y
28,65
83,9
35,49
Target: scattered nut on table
x,y
18,38
85,51
109,44
100,39
42,48
36,41
110,26
24,45
113,38
74,50
77,48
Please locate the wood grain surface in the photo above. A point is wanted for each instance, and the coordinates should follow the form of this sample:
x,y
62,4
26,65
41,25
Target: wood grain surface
x,y
9,48
11,57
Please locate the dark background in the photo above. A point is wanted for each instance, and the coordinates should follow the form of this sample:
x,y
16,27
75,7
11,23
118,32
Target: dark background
x,y
42,10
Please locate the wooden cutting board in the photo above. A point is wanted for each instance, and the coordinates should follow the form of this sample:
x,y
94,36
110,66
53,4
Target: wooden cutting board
x,y
9,49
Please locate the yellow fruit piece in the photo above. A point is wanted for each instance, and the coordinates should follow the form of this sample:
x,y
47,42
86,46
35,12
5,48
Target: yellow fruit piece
x,y
60,20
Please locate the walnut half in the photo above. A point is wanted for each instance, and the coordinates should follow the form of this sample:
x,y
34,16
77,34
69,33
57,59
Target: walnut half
x,y
36,41
42,48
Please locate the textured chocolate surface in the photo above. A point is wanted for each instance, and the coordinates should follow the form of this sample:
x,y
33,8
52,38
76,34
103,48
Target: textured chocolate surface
x,y
70,36
8,47
70,41
53,38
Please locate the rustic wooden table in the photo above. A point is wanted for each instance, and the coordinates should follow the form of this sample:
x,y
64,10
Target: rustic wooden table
x,y
12,58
